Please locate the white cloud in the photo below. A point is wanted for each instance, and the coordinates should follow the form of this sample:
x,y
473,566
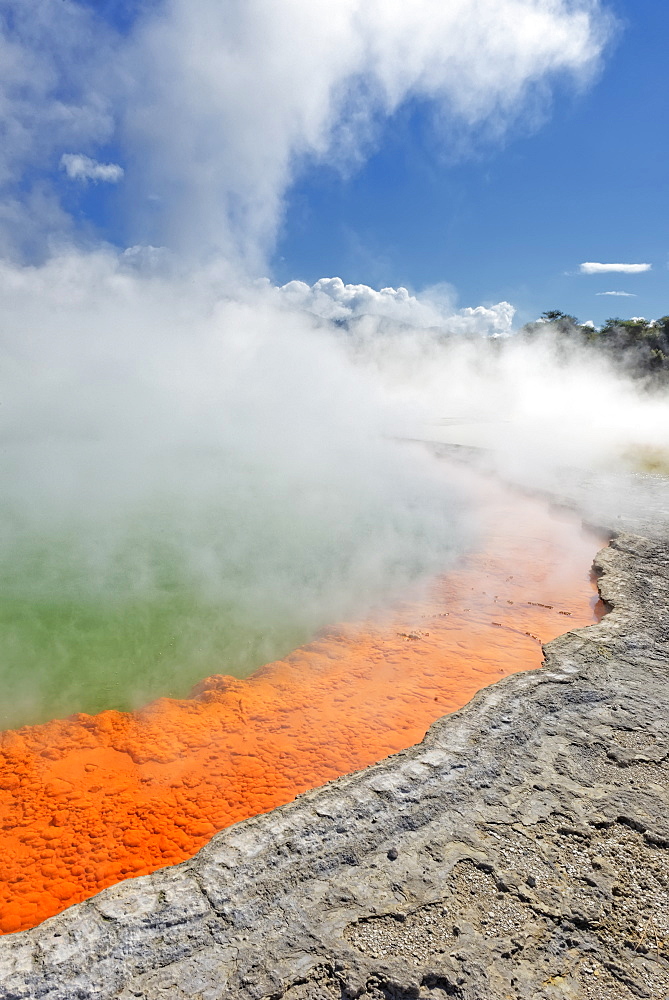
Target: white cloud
x,y
626,295
396,308
83,168
218,106
592,267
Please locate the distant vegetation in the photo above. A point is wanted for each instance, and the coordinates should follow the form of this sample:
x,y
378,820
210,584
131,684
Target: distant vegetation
x,y
640,346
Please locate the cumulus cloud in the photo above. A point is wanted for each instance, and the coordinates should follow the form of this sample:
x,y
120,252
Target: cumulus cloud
x,y
83,168
217,107
626,295
331,299
593,267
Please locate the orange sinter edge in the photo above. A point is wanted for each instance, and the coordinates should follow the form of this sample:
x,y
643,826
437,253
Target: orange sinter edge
x,y
90,800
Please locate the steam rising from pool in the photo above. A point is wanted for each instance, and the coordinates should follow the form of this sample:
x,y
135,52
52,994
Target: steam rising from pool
x,y
195,479
191,483
198,469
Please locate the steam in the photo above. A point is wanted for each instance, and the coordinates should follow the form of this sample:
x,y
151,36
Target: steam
x,y
230,101
539,409
215,108
199,468
193,483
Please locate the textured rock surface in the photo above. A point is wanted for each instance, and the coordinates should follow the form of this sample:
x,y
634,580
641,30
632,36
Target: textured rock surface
x,y
520,851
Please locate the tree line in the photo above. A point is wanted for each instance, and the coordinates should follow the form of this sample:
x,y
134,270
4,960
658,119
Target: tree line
x,y
640,346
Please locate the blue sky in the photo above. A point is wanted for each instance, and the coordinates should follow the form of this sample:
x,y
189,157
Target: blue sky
x,y
209,110
515,221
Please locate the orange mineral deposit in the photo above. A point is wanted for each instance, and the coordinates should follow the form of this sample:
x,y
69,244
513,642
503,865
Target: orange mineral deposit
x,y
90,800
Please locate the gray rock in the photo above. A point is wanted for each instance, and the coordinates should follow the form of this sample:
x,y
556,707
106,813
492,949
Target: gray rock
x,y
519,851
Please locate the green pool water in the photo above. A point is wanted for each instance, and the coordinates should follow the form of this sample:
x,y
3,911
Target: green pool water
x,y
85,631
64,656
112,613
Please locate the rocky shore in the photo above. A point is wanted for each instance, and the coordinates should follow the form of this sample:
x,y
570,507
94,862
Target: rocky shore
x,y
520,851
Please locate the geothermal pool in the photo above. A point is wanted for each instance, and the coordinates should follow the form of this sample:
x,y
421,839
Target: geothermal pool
x,y
92,799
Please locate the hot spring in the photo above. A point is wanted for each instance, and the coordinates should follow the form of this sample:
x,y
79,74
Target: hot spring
x,y
91,799
230,571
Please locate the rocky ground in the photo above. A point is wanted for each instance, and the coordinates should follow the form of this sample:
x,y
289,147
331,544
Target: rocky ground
x,y
520,851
